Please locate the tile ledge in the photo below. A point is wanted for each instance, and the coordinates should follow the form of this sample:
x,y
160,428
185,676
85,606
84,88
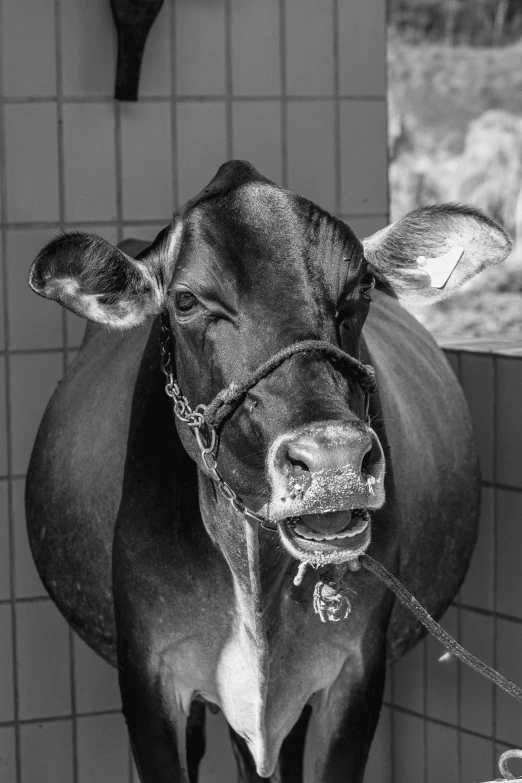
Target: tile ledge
x,y
481,345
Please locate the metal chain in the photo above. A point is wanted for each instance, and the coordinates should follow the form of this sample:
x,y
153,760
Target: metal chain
x,y
206,436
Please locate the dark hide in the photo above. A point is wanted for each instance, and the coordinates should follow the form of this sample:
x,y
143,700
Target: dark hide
x,y
147,561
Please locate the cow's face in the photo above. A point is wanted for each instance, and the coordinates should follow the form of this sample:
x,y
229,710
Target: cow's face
x,y
245,270
259,269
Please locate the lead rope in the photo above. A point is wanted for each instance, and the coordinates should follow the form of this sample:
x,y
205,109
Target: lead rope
x,y
407,599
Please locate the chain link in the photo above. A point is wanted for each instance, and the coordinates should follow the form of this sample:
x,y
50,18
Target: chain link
x,y
206,436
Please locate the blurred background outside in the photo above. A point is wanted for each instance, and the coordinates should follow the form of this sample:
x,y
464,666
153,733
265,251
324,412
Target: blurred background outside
x,y
455,134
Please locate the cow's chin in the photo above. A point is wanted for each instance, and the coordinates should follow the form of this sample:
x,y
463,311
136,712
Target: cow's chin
x,y
334,537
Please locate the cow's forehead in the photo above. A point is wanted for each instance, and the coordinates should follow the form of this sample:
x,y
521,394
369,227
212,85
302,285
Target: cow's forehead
x,y
239,196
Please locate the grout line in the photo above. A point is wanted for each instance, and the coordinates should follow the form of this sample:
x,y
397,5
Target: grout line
x,y
459,639
173,108
337,108
84,223
59,718
493,413
62,219
283,97
489,613
9,433
118,171
27,600
229,120
425,717
196,98
446,724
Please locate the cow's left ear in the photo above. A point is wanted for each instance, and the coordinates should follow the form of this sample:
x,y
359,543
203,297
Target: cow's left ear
x,y
428,253
98,281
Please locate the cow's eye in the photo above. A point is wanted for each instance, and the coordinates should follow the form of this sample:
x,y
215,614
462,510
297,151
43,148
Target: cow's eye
x,y
367,284
185,301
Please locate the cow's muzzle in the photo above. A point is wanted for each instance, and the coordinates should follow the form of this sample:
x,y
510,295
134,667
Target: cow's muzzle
x,y
324,479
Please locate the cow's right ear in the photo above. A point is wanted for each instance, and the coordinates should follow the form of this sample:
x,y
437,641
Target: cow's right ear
x,y
98,281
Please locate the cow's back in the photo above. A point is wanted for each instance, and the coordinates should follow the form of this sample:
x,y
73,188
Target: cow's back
x,y
433,458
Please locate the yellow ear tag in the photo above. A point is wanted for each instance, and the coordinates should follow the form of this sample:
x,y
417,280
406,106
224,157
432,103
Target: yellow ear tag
x,y
439,269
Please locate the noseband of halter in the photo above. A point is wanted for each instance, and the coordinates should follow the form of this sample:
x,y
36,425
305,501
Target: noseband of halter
x,y
205,420
228,399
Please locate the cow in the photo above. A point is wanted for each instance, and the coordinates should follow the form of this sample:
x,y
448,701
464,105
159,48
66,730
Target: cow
x,y
251,410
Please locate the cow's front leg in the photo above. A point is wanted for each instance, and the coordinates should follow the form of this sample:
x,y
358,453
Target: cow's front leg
x,y
157,731
346,719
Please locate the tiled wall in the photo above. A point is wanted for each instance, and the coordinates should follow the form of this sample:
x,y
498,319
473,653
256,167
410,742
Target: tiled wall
x,y
443,722
295,86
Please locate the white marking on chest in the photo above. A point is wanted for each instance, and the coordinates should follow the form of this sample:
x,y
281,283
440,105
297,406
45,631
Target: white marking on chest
x,y
439,269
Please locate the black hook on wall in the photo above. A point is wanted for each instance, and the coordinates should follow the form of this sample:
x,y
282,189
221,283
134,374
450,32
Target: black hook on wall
x,y
133,19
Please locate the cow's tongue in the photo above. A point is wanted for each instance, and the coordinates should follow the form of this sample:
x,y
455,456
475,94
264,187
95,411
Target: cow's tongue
x,y
328,524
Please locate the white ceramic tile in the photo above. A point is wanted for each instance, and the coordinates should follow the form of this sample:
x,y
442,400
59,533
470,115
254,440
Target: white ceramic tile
x,y
34,322
7,755
88,48
6,665
103,755
477,377
477,589
362,47
257,136
3,419
47,752
309,47
408,748
32,162
476,692
5,582
509,551
89,156
364,163
28,47
146,161
43,662
311,165
200,47
509,421
442,754
408,680
156,64
33,379
201,145
442,676
27,582
256,68
96,682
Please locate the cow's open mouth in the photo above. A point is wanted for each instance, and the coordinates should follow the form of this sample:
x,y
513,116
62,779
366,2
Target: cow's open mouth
x,y
333,536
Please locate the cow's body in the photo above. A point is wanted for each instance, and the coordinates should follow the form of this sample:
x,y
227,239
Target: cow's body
x,y
112,489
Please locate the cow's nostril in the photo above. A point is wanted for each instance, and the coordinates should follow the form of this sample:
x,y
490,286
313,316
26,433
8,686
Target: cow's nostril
x,y
298,465
367,461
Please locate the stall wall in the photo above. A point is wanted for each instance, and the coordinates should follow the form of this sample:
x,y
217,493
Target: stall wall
x,y
444,722
295,86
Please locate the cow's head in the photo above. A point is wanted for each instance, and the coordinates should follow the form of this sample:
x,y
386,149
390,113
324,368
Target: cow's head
x,y
244,270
